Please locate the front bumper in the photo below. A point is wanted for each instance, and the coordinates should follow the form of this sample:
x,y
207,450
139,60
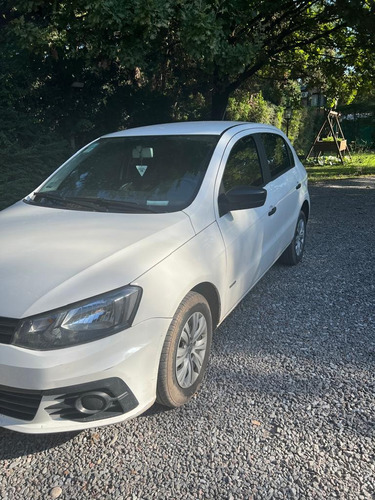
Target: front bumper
x,y
48,380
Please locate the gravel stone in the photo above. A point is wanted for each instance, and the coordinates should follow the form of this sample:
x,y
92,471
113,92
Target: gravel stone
x,y
296,356
56,492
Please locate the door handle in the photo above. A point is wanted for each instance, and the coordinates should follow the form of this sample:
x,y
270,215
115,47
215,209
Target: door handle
x,y
298,185
272,211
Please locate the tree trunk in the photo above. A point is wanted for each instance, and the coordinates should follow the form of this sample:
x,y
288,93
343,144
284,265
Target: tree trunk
x,y
219,104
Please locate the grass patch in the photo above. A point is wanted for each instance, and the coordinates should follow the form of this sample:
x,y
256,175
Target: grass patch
x,y
330,168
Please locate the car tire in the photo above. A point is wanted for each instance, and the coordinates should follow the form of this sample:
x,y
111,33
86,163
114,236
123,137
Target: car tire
x,y
294,252
185,352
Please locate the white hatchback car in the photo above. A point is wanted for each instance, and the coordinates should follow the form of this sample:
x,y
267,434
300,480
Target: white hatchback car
x,y
116,270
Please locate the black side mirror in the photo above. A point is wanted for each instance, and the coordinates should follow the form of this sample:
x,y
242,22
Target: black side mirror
x,y
241,198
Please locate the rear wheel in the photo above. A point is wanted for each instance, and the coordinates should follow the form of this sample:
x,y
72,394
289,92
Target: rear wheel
x,y
294,253
185,352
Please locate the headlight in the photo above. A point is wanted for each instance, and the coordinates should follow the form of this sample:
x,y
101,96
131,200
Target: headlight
x,y
81,322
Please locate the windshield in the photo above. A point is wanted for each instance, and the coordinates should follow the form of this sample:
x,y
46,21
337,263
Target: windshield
x,y
150,173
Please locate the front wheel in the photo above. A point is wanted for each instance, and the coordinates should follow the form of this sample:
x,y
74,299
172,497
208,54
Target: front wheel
x,y
185,352
294,252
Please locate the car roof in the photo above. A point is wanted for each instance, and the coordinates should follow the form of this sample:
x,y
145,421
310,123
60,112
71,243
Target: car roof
x,y
187,128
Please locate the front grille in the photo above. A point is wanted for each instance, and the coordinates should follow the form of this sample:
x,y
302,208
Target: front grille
x,y
7,328
19,404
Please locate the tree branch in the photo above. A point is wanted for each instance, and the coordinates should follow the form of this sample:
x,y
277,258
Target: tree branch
x,y
263,61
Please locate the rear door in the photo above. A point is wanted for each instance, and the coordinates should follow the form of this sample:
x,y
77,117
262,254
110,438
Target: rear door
x,y
283,193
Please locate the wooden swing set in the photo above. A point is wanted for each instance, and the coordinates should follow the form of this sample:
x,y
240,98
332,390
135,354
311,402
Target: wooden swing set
x,y
331,140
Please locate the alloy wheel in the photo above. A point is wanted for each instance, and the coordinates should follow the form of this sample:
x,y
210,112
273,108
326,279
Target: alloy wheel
x,y
191,350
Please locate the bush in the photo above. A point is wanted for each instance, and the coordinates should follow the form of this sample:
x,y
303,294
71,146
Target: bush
x,y
254,108
303,125
309,122
23,169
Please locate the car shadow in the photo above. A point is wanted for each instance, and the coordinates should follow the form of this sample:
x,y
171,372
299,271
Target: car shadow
x,y
155,409
15,445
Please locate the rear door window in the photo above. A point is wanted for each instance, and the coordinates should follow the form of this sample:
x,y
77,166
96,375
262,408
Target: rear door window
x,y
279,157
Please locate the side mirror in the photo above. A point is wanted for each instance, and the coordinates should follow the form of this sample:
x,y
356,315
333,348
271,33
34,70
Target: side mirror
x,y
241,198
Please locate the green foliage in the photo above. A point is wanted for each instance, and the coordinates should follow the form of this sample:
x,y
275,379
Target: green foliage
x,y
22,170
309,123
181,49
303,124
331,139
358,121
28,154
253,108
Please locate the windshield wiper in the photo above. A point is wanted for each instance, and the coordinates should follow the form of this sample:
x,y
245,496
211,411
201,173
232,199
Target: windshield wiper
x,y
95,204
119,205
48,196
54,196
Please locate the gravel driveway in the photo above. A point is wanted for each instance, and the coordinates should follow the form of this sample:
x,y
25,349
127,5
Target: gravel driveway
x,y
287,409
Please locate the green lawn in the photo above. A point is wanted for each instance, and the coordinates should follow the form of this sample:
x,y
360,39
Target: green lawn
x,y
361,165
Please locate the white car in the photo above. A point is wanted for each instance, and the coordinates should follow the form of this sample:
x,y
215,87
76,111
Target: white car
x,y
117,269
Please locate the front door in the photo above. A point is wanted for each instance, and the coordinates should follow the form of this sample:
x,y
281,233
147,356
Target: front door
x,y
243,230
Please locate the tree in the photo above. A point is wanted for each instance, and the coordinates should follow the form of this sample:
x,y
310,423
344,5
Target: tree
x,y
245,38
180,50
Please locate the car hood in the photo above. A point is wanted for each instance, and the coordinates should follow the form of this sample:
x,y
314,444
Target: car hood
x,y
52,257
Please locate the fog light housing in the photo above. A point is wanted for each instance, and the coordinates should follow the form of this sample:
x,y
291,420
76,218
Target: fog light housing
x,y
93,401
